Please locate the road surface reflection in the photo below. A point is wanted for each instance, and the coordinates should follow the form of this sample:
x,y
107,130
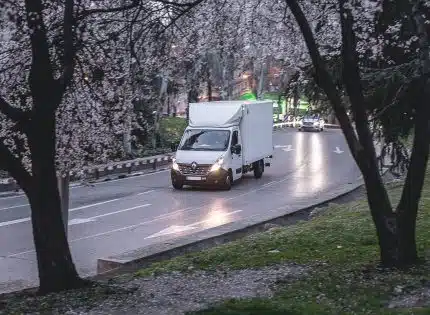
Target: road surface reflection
x,y
309,164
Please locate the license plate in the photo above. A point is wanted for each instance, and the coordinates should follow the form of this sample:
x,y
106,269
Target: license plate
x,y
193,178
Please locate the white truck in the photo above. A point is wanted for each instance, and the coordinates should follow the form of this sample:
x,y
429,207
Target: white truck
x,y
223,141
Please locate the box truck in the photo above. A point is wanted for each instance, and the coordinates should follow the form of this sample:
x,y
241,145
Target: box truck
x,y
223,141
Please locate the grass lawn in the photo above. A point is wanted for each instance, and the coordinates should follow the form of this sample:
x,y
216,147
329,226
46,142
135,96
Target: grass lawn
x,y
341,247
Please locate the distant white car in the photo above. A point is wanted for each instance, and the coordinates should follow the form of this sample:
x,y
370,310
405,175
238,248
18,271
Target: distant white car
x,y
312,122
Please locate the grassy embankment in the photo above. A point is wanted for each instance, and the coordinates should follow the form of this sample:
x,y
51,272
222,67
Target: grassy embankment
x,y
341,246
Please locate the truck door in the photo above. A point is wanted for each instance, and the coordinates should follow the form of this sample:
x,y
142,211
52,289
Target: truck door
x,y
236,163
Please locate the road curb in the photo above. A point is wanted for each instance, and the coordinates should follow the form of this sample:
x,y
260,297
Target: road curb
x,y
206,239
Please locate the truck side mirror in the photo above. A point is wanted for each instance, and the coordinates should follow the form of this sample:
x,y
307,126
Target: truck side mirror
x,y
236,149
174,146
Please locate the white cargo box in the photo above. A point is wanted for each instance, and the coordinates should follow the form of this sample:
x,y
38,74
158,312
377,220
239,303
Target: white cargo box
x,y
254,118
215,114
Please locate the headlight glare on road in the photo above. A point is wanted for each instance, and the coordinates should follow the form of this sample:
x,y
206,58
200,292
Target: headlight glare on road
x,y
217,165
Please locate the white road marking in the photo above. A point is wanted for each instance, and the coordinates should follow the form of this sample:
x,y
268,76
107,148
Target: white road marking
x,y
269,184
77,221
92,219
145,192
204,221
21,253
28,219
287,149
173,229
338,151
120,211
182,228
14,222
13,207
94,204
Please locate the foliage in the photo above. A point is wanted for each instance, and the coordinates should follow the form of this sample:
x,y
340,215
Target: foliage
x,y
66,99
171,131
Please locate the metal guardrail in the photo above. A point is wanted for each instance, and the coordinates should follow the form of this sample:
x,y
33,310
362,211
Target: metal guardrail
x,y
124,168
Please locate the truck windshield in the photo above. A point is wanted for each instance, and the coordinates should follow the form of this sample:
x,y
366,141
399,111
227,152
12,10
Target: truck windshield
x,y
205,140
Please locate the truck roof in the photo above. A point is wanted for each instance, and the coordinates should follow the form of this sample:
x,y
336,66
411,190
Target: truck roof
x,y
220,113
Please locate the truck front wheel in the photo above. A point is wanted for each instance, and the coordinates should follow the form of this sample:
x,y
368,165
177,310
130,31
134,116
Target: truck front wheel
x,y
258,169
228,182
177,184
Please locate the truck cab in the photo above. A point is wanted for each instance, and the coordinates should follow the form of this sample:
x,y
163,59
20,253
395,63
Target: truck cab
x,y
213,152
210,156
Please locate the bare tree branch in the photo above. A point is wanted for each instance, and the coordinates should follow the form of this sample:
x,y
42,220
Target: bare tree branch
x,y
87,13
182,13
15,168
176,4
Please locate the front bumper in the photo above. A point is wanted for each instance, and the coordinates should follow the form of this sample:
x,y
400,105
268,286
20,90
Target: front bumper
x,y
310,127
210,179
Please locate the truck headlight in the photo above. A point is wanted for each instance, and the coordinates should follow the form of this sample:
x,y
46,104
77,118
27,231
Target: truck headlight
x,y
175,165
218,164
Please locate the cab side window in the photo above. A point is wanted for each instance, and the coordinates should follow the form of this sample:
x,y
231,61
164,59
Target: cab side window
x,y
235,138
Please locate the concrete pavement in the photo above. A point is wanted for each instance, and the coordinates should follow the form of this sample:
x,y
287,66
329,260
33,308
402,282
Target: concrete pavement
x,y
122,215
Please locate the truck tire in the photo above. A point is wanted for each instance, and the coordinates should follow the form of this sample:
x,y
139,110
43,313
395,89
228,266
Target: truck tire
x,y
228,181
177,185
258,169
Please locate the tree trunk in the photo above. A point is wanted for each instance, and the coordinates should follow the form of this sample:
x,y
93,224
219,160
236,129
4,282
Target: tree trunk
x,y
383,217
407,208
168,106
56,269
209,82
296,100
395,230
362,149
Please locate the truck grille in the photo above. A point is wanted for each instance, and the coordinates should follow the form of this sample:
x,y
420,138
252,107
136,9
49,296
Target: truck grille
x,y
186,169
308,123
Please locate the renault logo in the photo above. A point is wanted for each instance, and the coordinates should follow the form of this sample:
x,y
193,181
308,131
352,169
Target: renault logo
x,y
194,165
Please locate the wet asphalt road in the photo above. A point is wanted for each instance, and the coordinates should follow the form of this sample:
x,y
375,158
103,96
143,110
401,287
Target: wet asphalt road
x,y
126,214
